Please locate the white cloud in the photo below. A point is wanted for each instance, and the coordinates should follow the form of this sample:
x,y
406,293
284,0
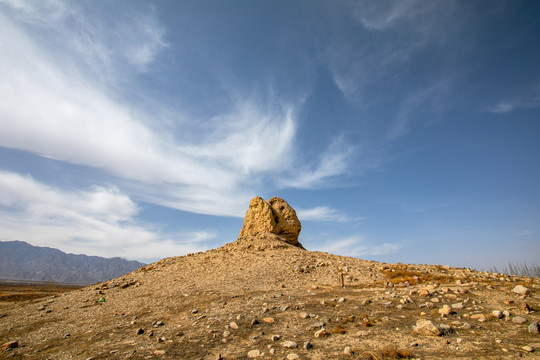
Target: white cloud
x,y
323,213
507,106
331,163
524,233
100,221
55,109
354,246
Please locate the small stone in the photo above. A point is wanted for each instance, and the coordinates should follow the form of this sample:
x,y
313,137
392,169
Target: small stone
x,y
254,322
320,333
533,328
308,345
275,337
289,344
519,320
284,308
479,317
365,302
226,333
445,310
161,340
362,333
528,348
508,302
457,306
525,307
347,351
427,327
140,331
304,315
521,290
194,310
253,354
179,334
159,352
497,314
233,325
269,320
317,325
459,340
341,300
9,345
293,357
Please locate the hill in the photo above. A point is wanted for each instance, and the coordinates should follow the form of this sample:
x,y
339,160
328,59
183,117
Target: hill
x,y
265,296
24,262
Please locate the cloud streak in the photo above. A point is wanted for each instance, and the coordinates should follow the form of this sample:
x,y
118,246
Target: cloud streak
x,y
211,165
354,246
102,221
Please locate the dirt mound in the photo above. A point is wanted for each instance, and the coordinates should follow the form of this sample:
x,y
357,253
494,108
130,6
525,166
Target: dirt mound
x,y
261,296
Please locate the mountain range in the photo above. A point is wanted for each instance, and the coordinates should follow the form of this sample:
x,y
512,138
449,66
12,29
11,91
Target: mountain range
x,y
21,261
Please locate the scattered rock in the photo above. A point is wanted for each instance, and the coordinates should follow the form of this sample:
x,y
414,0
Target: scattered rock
x,y
275,337
519,320
293,357
140,331
533,328
427,327
289,344
194,310
308,345
253,354
457,306
479,317
362,333
269,320
525,307
159,352
320,333
528,348
233,325
445,310
497,314
347,351
521,290
226,333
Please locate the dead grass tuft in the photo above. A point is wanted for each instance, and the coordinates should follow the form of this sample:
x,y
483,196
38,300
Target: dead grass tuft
x,y
389,352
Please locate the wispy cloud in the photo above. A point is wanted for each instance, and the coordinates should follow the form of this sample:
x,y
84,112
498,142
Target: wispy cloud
x,y
508,106
98,221
52,107
525,233
331,163
353,246
323,213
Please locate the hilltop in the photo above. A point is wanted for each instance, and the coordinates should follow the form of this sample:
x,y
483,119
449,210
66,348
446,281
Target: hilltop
x,y
265,296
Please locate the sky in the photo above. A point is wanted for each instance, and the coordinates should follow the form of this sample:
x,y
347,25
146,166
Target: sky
x,y
400,131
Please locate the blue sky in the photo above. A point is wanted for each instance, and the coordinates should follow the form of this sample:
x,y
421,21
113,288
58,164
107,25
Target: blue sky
x,y
400,131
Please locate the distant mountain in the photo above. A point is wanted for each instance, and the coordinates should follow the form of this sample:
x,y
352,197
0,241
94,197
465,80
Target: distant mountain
x,y
22,261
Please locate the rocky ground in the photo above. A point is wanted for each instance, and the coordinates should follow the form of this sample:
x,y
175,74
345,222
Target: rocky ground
x,y
264,296
267,299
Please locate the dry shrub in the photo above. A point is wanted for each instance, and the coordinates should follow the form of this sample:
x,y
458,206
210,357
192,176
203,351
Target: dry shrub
x,y
390,352
400,273
338,329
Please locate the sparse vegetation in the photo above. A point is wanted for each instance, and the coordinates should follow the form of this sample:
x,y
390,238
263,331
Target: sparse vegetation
x,y
389,352
519,269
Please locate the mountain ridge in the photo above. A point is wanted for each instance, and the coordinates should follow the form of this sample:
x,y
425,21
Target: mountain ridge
x,y
22,261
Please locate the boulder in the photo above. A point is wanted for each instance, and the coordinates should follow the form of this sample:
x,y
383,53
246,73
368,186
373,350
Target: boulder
x,y
274,216
428,328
